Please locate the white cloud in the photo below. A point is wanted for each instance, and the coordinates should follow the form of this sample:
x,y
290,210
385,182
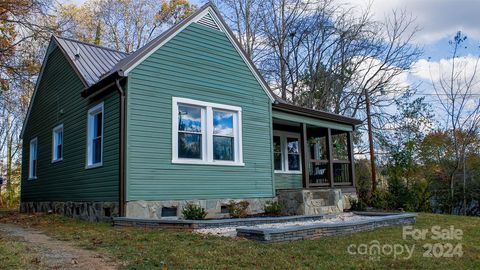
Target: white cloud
x,y
437,18
466,67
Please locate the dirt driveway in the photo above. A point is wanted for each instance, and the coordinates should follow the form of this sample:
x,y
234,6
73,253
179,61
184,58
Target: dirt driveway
x,y
55,254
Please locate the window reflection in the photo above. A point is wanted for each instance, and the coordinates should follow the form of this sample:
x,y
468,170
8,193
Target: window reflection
x,y
293,154
223,135
189,132
189,118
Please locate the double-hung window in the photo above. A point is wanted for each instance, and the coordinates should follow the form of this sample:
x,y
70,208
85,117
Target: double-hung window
x,y
206,133
33,159
95,136
286,152
57,143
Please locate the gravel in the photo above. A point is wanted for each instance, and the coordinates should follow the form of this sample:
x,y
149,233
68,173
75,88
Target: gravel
x,y
339,219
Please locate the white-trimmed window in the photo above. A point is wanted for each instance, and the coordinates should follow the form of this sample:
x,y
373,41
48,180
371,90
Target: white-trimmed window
x,y
57,143
206,133
286,152
33,159
95,136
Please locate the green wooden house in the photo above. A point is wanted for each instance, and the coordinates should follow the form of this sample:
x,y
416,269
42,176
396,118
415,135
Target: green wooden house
x,y
186,118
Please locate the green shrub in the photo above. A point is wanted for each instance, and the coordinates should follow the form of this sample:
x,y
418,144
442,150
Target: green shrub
x,y
238,209
379,199
357,205
273,209
192,211
363,177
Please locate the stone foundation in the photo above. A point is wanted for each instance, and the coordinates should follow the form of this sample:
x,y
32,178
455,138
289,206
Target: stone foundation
x,y
213,207
92,211
313,202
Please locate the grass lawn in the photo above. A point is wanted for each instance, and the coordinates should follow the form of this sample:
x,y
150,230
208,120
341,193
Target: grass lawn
x,y
15,254
147,249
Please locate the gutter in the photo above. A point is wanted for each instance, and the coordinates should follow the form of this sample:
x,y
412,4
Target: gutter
x,y
121,186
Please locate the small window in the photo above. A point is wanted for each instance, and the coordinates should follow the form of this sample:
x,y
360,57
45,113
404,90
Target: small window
x,y
224,209
277,153
57,143
206,133
169,211
32,168
95,137
286,152
107,212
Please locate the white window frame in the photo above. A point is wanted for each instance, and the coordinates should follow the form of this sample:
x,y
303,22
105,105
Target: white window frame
x,y
284,150
33,141
91,113
207,132
55,130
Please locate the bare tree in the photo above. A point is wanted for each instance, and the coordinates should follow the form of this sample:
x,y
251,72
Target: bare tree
x,y
284,21
332,57
24,25
245,16
124,25
460,104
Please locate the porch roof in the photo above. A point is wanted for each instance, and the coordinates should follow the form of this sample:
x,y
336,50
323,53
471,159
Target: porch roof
x,y
295,113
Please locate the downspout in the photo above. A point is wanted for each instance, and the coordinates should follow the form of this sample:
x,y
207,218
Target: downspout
x,y
121,186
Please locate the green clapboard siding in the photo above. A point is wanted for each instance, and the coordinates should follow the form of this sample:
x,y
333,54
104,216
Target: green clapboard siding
x,y
310,120
285,181
198,63
68,180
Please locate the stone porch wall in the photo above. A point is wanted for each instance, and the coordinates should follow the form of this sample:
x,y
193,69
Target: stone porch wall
x,y
314,201
92,211
213,207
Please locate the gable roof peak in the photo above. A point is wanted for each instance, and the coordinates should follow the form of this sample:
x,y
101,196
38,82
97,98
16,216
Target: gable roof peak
x,y
213,19
89,61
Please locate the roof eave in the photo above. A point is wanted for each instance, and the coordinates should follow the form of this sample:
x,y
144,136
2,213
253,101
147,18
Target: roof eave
x,y
101,84
317,114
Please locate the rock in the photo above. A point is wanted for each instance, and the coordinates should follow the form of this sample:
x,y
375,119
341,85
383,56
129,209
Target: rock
x,y
312,202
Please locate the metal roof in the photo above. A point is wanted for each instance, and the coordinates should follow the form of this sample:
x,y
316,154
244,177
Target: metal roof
x,y
91,61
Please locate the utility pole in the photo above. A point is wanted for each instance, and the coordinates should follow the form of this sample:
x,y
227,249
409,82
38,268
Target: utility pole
x,y
464,187
370,140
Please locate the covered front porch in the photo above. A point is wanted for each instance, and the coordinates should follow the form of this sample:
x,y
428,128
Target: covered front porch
x,y
313,159
312,151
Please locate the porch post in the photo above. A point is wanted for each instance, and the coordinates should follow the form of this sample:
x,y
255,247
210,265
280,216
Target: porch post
x,y
330,156
304,147
351,157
